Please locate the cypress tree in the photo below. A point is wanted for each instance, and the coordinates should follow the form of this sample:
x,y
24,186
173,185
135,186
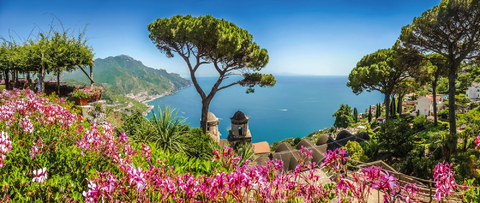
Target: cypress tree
x,y
370,114
377,113
355,115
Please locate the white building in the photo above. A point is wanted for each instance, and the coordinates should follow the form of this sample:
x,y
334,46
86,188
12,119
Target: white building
x,y
473,93
425,105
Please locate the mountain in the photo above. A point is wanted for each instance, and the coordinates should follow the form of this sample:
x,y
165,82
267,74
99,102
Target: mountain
x,y
125,75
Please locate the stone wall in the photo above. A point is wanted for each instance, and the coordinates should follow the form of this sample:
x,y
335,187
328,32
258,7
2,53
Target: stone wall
x,y
95,115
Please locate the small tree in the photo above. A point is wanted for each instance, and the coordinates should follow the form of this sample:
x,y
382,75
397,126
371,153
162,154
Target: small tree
x,y
207,40
355,151
355,115
343,116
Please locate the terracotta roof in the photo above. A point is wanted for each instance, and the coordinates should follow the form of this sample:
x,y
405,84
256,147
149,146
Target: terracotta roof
x,y
411,94
430,96
261,147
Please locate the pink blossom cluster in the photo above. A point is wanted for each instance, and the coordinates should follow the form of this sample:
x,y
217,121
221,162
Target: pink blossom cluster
x,y
101,188
146,151
26,125
40,175
241,184
91,91
443,175
36,148
334,159
477,142
410,193
19,106
106,144
5,147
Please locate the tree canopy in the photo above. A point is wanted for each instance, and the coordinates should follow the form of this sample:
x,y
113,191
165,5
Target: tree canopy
x,y
343,116
383,71
208,40
53,52
451,29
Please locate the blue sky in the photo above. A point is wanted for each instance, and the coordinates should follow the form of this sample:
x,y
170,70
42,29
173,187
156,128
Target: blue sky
x,y
302,37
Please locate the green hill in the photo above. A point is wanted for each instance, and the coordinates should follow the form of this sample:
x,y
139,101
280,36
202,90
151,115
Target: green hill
x,y
125,75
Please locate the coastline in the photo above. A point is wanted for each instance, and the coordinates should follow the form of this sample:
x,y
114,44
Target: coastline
x,y
150,98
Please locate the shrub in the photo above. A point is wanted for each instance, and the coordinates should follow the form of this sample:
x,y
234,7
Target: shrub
x,y
80,94
396,138
356,152
370,149
296,141
443,114
419,122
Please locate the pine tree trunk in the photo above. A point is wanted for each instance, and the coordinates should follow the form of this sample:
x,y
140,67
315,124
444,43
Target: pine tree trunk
x,y
387,106
58,84
43,77
393,109
400,103
451,97
7,82
203,120
434,86
452,75
91,76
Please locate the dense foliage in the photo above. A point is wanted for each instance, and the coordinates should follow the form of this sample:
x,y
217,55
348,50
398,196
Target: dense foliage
x,y
169,133
449,29
343,116
396,137
49,153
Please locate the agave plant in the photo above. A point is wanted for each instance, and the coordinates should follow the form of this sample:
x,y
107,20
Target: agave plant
x,y
168,130
246,152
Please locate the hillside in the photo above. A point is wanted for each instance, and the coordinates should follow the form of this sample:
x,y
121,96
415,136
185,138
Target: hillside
x,y
124,75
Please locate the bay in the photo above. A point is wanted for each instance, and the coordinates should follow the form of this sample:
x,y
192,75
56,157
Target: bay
x,y
294,107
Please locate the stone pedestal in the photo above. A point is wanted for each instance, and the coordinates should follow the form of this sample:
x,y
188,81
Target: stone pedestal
x,y
92,115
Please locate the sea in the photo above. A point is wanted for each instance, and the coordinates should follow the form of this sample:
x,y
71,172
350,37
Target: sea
x,y
295,107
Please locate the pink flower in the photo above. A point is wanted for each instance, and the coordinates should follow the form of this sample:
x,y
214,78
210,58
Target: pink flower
x,y
443,175
410,193
477,141
36,148
334,159
26,125
40,175
146,151
5,147
137,178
